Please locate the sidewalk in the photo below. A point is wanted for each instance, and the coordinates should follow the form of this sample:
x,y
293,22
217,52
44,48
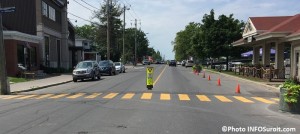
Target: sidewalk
x,y
265,84
41,83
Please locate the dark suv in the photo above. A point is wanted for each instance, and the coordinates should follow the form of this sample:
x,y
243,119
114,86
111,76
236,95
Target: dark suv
x,y
107,67
86,69
172,63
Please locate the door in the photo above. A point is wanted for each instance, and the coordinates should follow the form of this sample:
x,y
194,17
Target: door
x,y
58,53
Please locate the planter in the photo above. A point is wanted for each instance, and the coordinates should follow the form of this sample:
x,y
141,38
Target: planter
x,y
288,107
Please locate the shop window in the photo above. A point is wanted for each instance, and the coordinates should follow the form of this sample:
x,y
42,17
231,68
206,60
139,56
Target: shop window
x,y
21,54
33,56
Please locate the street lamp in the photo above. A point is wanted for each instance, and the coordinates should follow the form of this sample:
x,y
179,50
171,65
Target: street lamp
x,y
4,84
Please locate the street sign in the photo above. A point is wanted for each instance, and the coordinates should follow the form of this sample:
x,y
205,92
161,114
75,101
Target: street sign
x,y
149,77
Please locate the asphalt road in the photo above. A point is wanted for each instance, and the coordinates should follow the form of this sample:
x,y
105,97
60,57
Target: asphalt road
x,y
180,103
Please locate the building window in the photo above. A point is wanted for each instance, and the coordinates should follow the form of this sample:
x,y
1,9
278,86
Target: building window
x,y
33,57
52,13
21,54
45,8
47,50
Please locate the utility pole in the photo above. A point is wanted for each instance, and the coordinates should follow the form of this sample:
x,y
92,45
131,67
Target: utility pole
x,y
4,84
123,56
135,47
108,10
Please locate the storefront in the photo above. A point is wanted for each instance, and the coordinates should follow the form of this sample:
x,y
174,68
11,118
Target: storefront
x,y
21,50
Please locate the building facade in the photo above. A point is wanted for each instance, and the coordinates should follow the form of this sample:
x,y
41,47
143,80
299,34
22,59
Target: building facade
x,y
46,19
281,33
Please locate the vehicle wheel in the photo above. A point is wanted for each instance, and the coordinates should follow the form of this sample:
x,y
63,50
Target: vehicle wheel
x,y
99,76
124,71
93,77
111,73
74,80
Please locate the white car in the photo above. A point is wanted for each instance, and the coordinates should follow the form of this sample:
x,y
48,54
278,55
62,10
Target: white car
x,y
189,63
119,67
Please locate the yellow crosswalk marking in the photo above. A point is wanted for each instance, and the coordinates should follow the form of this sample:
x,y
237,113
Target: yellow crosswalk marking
x,y
44,96
276,99
110,96
58,96
184,97
203,98
26,97
243,99
263,100
76,96
222,98
11,97
165,97
146,96
94,95
128,96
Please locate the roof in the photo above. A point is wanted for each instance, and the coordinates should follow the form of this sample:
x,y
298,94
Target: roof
x,y
266,23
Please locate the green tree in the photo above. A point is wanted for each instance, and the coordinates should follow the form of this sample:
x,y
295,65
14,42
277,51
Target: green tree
x,y
116,32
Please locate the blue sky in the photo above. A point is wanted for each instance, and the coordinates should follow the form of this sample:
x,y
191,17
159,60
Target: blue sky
x,y
162,19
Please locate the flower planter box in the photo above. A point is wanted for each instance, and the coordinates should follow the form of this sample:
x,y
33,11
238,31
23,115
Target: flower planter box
x,y
288,107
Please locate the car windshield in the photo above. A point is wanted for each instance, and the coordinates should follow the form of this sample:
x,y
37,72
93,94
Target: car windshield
x,y
82,65
103,63
117,63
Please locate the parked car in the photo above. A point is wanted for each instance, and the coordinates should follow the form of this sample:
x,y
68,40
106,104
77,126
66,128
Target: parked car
x,y
86,69
172,63
183,63
120,67
189,63
146,62
107,67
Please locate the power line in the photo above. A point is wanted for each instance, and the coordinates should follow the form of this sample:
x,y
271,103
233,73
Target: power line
x,y
132,9
83,6
80,17
90,5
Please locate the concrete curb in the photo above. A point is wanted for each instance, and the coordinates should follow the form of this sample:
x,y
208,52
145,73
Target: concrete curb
x,y
275,89
37,88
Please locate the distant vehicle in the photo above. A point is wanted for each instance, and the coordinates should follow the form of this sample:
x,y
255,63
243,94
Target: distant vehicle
x,y
107,67
157,62
178,63
189,63
120,67
172,63
183,63
162,62
146,62
86,69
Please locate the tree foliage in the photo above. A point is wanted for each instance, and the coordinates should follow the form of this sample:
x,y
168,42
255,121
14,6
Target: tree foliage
x,y
210,39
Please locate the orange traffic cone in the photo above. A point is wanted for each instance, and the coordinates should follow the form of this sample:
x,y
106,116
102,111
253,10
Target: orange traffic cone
x,y
208,77
203,75
238,89
219,82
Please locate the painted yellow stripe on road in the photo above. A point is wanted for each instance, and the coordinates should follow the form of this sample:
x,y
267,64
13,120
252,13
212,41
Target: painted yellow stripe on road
x,y
58,96
146,96
243,99
94,95
44,96
165,97
26,97
159,75
263,100
110,96
76,96
128,96
276,99
184,97
222,98
11,96
203,98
